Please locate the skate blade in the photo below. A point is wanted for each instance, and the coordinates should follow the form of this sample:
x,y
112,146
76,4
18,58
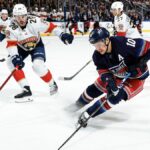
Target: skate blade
x,y
24,100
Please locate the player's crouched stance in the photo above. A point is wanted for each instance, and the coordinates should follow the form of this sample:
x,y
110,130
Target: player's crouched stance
x,y
23,39
114,57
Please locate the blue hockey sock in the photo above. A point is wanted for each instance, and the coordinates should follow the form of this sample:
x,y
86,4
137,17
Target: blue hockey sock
x,y
98,108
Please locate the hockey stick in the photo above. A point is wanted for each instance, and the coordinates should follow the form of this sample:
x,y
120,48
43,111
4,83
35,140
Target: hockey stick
x,y
71,77
7,79
2,59
120,86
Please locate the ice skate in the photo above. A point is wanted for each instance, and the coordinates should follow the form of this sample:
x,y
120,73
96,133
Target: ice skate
x,y
53,88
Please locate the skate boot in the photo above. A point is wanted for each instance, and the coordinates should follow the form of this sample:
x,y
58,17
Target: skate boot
x,y
83,119
53,88
26,92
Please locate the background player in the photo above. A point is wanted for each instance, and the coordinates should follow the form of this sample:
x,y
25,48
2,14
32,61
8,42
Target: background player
x,y
4,21
122,23
137,22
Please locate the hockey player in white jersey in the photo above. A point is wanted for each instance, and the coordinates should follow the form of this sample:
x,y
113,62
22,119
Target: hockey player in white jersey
x,y
4,21
122,23
23,39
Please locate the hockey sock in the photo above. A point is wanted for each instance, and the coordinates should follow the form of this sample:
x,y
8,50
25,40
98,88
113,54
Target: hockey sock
x,y
47,77
97,108
89,94
19,75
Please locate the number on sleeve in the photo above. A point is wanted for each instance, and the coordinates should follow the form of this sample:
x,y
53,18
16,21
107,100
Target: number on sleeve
x,y
131,42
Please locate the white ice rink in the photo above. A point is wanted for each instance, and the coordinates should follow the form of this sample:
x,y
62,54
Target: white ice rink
x,y
45,123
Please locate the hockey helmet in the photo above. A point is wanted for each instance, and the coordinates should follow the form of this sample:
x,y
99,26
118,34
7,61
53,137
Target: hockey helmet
x,y
19,9
99,34
4,11
117,5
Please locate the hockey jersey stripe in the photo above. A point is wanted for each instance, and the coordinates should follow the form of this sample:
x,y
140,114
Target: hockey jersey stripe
x,y
51,27
11,43
145,48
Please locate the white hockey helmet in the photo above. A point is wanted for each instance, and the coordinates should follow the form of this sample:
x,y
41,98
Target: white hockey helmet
x,y
19,9
4,11
117,5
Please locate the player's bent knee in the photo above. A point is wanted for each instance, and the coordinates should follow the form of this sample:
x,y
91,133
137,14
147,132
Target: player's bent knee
x,y
39,67
93,91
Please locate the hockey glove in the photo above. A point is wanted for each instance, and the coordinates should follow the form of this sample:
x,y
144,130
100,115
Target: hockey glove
x,y
120,95
66,38
17,61
140,68
114,94
111,86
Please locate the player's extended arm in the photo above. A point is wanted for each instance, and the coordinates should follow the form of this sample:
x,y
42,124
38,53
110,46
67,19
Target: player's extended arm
x,y
140,69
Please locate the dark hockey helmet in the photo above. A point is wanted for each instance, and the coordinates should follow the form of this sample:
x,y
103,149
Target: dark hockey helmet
x,y
99,34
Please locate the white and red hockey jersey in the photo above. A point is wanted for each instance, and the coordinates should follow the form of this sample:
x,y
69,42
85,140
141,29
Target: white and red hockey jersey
x,y
124,28
3,24
28,37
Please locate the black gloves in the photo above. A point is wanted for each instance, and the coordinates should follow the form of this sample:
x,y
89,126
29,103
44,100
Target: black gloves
x,y
140,67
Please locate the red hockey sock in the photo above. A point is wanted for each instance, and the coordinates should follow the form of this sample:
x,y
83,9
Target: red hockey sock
x,y
47,77
19,75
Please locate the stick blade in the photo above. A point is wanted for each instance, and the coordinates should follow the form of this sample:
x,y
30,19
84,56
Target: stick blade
x,y
61,78
2,60
65,78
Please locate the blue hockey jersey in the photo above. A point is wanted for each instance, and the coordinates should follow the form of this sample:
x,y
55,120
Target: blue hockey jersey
x,y
125,52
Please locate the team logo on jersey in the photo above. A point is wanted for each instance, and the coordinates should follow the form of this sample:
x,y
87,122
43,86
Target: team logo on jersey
x,y
119,70
29,43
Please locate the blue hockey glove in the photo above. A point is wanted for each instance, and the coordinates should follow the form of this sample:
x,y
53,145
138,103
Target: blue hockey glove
x,y
66,38
114,94
110,83
120,95
17,61
140,69
137,69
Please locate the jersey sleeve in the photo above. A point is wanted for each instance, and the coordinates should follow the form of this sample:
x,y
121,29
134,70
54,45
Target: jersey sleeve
x,y
137,47
48,27
11,42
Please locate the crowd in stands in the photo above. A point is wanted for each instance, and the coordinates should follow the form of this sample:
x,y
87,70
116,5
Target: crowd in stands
x,y
79,10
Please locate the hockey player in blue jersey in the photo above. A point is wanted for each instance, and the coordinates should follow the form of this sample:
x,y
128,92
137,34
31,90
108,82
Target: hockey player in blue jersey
x,y
113,58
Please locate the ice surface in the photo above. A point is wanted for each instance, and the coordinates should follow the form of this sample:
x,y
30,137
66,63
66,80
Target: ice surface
x,y
46,123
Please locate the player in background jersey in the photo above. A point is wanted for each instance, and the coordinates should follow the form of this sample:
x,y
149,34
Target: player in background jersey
x,y
137,22
4,21
114,57
122,23
23,39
